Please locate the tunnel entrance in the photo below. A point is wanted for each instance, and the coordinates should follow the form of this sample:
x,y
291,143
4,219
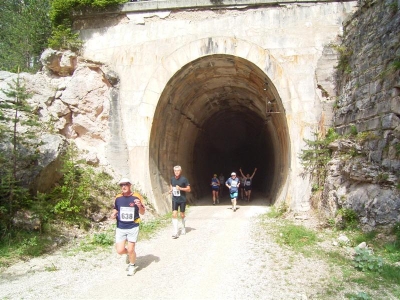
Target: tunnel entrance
x,y
215,115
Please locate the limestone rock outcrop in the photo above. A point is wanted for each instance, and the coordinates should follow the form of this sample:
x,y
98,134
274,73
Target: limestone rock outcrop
x,y
363,174
72,97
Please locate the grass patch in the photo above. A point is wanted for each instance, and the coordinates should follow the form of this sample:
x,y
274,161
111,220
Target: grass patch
x,y
149,228
373,276
22,246
296,236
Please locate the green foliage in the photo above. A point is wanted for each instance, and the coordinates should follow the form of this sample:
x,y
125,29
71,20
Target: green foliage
x,y
81,191
103,239
349,217
396,230
394,7
30,26
344,58
18,155
25,28
367,237
297,236
317,155
353,130
63,38
396,64
73,194
392,249
150,227
17,245
365,136
61,15
359,296
62,10
364,261
277,211
397,147
382,177
385,278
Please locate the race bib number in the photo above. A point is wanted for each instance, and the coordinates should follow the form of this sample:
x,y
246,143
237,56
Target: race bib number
x,y
127,214
234,184
176,192
248,183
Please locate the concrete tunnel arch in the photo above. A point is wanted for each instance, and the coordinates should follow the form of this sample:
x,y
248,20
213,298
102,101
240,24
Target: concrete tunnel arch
x,y
216,114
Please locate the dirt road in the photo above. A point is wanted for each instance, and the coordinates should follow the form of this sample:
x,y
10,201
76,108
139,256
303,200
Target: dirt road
x,y
220,257
206,263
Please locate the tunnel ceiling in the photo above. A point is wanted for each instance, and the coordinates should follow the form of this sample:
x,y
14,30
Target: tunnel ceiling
x,y
215,106
214,84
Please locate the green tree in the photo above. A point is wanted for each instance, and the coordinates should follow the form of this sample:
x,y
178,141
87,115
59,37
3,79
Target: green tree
x,y
24,31
317,155
18,156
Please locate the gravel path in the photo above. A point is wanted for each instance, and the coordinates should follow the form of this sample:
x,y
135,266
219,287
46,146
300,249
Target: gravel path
x,y
222,256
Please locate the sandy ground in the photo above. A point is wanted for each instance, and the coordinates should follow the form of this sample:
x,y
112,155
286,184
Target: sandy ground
x,y
222,256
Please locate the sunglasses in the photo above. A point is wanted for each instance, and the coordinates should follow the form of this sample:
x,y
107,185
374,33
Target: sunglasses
x,y
124,184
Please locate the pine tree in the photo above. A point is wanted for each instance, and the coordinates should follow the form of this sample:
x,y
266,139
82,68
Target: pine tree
x,y
18,156
24,30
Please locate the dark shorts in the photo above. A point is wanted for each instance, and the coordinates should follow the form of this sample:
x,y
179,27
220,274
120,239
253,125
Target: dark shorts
x,y
180,205
247,188
215,188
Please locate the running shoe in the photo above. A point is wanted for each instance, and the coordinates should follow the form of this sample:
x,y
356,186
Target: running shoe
x,y
175,236
131,270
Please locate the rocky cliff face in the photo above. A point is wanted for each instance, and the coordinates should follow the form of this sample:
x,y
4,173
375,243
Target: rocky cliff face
x,y
365,169
73,98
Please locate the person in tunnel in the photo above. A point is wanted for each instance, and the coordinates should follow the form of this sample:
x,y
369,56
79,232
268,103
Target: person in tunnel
x,y
221,185
247,183
178,188
241,188
215,188
233,184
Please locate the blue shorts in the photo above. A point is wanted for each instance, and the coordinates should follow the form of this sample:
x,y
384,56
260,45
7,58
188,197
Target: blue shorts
x,y
234,195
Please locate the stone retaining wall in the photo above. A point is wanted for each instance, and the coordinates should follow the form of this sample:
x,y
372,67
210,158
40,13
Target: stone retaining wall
x,y
365,175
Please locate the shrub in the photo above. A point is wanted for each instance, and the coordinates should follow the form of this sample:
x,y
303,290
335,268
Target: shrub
x,y
317,155
103,239
349,217
364,260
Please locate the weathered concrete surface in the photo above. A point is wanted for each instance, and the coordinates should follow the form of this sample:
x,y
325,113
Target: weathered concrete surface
x,y
261,59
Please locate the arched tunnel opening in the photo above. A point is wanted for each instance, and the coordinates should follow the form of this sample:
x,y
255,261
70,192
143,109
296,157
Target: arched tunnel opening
x,y
217,114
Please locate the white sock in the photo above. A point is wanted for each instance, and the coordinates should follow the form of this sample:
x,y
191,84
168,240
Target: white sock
x,y
183,222
175,225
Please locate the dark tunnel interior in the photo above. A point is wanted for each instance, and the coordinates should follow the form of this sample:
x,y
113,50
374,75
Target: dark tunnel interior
x,y
230,141
215,115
